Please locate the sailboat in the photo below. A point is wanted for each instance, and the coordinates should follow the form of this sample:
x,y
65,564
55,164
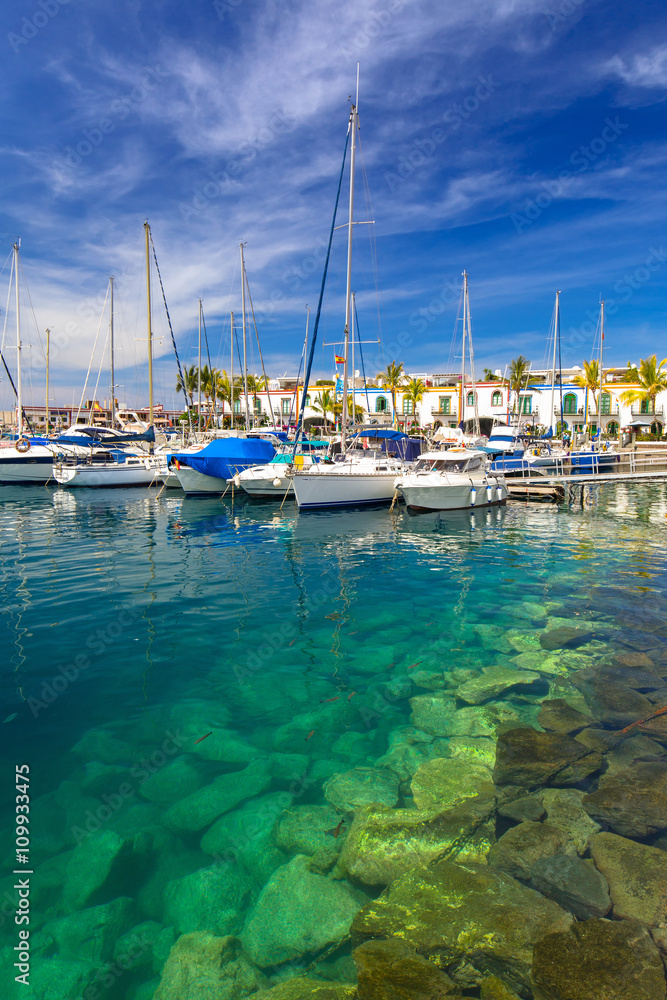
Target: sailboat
x,y
367,468
118,467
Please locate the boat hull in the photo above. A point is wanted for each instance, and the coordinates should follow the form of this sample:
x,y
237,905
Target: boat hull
x,y
196,482
343,489
266,488
29,468
121,475
448,496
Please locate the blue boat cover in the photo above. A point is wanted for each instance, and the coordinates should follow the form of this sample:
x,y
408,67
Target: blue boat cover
x,y
393,442
223,459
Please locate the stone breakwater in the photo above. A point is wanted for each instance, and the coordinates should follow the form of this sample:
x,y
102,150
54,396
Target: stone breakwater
x,y
495,828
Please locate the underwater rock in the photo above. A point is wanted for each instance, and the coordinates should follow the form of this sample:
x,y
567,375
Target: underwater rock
x,y
169,859
626,658
224,745
383,844
566,812
62,979
528,807
484,720
95,862
620,752
304,988
244,836
522,846
633,802
432,713
362,786
495,989
354,747
465,913
408,749
99,744
557,716
574,884
478,748
197,810
326,722
298,912
389,970
91,934
204,967
209,899
528,758
565,637
598,960
445,782
175,780
613,703
637,877
492,637
306,829
493,681
136,948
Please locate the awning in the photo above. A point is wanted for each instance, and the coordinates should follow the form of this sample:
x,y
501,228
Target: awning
x,y
642,421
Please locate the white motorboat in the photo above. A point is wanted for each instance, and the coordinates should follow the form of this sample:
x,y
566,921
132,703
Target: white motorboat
x,y
451,480
126,470
359,477
275,479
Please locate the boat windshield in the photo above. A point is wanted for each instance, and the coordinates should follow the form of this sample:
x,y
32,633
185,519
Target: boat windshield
x,y
448,464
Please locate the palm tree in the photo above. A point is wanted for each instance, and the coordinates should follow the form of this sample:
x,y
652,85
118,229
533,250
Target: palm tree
x,y
518,377
324,403
414,391
392,379
590,380
188,384
651,378
255,385
223,390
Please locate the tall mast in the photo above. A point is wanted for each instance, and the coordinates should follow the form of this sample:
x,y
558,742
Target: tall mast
x,y
601,351
19,387
354,124
471,353
553,373
199,375
48,345
560,365
245,362
354,371
111,354
147,230
463,350
231,378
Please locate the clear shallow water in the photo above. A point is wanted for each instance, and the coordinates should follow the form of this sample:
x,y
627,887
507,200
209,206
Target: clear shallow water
x,y
139,618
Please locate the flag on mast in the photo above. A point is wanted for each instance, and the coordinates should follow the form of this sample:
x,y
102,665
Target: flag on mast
x,y
339,360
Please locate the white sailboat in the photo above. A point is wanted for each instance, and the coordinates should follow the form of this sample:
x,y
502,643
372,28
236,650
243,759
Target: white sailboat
x,y
362,474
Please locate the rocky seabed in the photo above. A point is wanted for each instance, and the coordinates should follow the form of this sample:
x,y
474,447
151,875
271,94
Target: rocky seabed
x,y
492,826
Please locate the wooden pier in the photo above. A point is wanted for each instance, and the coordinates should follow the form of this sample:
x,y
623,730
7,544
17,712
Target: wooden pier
x,y
564,480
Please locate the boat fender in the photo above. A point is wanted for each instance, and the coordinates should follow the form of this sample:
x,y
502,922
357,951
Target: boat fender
x,y
277,482
473,496
489,494
499,493
237,480
23,445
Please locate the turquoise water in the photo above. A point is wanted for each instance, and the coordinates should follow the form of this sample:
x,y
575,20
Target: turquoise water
x,y
133,626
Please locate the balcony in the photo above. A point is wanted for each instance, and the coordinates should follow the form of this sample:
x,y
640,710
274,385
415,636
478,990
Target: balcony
x,y
438,411
643,411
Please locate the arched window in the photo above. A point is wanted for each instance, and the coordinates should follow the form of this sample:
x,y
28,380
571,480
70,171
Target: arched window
x,y
381,404
470,399
612,429
497,398
605,403
237,405
258,405
569,403
307,400
408,405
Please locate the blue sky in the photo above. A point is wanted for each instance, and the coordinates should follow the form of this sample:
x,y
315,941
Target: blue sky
x,y
521,140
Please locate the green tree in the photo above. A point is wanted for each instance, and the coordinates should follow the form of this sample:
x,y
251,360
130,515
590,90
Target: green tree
x,y
517,379
589,380
414,391
392,379
650,378
188,384
490,377
324,403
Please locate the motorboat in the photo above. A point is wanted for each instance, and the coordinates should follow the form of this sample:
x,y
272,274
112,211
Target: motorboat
x,y
455,479
275,480
108,470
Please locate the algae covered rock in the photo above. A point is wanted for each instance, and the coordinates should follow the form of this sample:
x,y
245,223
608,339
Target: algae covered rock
x,y
445,782
565,810
598,960
574,884
199,809
385,843
176,779
305,988
528,758
518,850
204,967
60,979
433,713
565,637
210,899
97,861
558,716
244,836
633,802
91,934
466,914
389,970
637,877
495,989
298,912
306,829
360,787
493,681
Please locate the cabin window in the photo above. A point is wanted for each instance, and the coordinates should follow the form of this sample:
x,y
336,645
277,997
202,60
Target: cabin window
x,y
445,404
408,405
470,399
285,407
497,398
381,404
569,403
605,403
